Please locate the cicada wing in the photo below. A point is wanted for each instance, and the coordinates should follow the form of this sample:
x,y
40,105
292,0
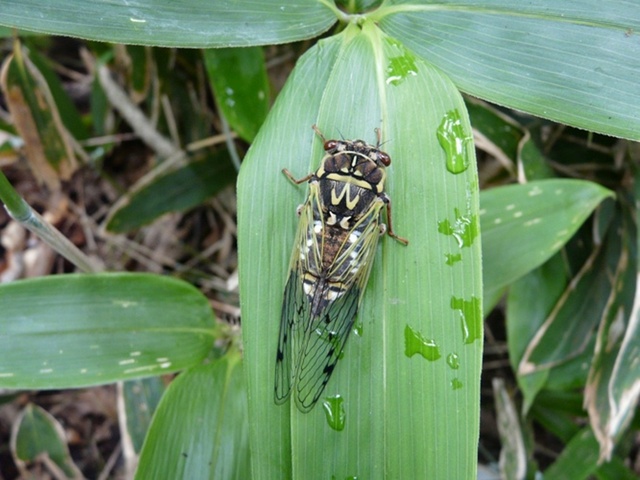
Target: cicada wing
x,y
296,309
327,331
291,312
323,342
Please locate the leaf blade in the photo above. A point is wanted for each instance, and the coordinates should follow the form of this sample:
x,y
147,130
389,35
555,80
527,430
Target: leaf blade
x,y
570,62
77,330
188,23
344,85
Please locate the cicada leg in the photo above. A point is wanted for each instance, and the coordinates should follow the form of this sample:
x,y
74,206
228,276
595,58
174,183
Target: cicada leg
x,y
390,231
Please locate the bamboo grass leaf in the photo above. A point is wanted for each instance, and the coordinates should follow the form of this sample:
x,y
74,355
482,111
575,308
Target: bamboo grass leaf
x,y
403,417
573,62
70,331
185,23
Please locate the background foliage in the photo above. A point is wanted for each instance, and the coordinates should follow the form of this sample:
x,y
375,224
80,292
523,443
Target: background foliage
x,y
123,144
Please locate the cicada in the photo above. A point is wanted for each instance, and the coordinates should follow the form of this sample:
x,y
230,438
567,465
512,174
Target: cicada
x,y
332,256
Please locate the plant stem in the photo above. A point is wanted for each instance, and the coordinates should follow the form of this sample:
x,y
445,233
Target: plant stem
x,y
22,213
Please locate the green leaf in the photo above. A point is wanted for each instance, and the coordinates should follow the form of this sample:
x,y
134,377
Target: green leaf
x,y
524,225
179,190
172,23
573,61
394,406
68,331
238,77
200,429
590,296
37,433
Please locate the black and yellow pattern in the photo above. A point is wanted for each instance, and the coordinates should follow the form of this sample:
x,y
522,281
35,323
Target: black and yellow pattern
x,y
330,265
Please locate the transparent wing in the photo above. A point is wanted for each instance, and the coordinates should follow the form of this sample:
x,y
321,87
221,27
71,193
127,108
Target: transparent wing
x,y
296,309
322,345
326,333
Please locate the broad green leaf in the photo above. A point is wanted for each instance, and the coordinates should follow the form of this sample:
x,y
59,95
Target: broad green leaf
x,y
523,225
172,23
590,297
37,433
68,331
404,417
532,297
200,429
238,77
574,61
178,190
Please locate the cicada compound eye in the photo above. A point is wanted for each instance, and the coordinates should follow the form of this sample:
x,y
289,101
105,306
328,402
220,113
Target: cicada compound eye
x,y
384,159
330,145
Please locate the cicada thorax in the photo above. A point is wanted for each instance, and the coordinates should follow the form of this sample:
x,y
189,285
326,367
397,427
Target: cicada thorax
x,y
349,184
355,163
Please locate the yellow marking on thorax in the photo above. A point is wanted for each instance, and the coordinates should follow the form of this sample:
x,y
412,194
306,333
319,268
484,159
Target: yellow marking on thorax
x,y
377,188
349,179
346,192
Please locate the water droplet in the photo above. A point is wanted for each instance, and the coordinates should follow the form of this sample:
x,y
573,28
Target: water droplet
x,y
453,361
456,384
334,412
358,329
452,258
402,66
470,318
464,228
454,141
414,343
